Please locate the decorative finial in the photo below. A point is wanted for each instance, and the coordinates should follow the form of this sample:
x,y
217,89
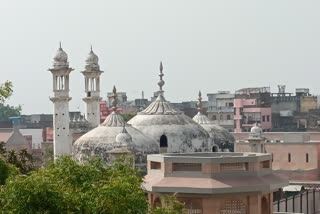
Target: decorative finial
x,y
114,99
161,82
60,45
199,102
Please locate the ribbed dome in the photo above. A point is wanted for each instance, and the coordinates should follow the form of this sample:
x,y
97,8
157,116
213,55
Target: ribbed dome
x,y
160,118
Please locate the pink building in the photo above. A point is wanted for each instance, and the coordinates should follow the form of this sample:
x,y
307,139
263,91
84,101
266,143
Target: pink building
x,y
247,113
105,111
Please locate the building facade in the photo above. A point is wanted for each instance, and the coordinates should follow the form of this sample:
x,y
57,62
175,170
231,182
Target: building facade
x,y
295,156
252,105
220,109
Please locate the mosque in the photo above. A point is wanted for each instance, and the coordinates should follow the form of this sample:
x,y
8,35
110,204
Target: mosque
x,y
160,128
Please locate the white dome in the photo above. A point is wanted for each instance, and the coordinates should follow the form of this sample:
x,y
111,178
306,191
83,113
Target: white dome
x,y
92,62
256,131
98,141
183,134
221,137
60,59
124,137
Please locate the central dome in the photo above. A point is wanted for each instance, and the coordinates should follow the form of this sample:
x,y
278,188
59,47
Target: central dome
x,y
171,128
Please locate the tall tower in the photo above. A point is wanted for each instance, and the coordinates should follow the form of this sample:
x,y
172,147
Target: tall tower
x,y
92,97
60,73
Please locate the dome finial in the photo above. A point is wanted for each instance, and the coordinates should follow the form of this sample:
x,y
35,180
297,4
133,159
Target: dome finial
x,y
161,82
114,99
199,104
91,47
60,45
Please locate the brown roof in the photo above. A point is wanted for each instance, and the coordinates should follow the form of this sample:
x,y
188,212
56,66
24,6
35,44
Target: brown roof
x,y
5,134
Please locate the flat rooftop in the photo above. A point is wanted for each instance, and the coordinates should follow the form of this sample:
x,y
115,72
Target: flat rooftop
x,y
199,157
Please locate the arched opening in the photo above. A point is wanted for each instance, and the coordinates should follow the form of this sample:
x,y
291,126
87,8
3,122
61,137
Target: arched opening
x,y
215,149
264,206
163,143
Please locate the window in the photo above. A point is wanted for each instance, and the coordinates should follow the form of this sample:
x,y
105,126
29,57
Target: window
x,y
155,165
307,157
230,104
289,157
228,117
186,167
215,149
163,141
214,117
268,118
263,118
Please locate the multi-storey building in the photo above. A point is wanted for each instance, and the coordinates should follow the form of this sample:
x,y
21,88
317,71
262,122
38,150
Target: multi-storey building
x,y
220,109
252,105
294,112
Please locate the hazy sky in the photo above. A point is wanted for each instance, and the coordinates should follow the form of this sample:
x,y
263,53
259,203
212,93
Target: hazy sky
x,y
208,45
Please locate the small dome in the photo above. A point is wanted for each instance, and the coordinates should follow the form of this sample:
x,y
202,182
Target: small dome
x,y
60,59
256,131
124,137
92,62
221,137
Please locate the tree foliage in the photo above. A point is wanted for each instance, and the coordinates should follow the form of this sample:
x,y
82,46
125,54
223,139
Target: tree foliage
x,y
7,111
5,91
128,117
68,187
169,205
22,160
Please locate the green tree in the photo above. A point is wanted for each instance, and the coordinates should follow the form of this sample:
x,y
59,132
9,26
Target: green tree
x,y
5,91
169,205
21,160
7,111
67,187
128,117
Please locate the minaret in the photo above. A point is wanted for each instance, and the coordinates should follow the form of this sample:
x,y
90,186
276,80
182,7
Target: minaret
x,y
60,73
92,97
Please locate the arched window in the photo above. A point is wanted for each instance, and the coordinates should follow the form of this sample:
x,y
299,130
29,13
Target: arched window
x,y
289,157
228,117
214,117
163,141
215,149
307,157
